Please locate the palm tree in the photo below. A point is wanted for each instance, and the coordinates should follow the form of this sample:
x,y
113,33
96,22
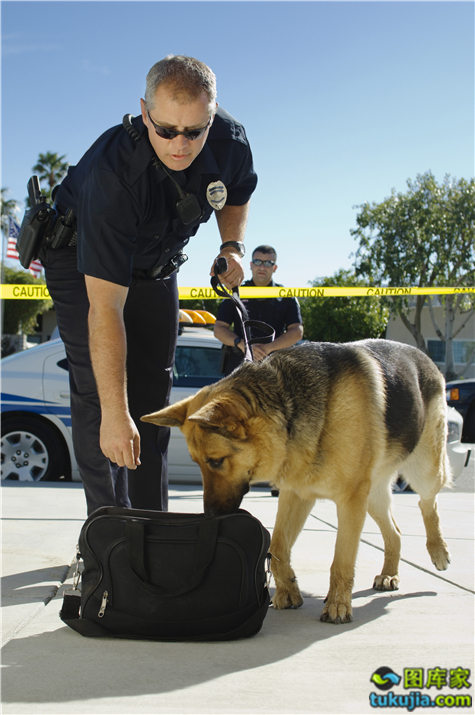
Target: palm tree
x,y
51,168
8,207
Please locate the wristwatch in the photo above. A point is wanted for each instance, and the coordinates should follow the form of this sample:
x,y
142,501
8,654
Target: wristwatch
x,y
237,340
238,245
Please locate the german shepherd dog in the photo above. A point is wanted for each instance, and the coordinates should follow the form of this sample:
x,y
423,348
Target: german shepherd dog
x,y
324,421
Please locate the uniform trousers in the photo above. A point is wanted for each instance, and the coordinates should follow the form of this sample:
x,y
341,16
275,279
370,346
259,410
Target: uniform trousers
x,y
151,323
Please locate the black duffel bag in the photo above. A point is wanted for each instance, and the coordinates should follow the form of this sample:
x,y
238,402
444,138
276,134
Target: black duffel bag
x,y
168,576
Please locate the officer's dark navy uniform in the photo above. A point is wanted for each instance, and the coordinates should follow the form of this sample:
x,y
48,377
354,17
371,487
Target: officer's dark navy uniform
x,y
279,313
127,228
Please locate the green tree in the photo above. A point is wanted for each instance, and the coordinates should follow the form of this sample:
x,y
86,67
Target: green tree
x,y
21,315
51,169
7,210
343,319
423,237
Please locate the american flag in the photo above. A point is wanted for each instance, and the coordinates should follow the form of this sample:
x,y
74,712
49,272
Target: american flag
x,y
13,231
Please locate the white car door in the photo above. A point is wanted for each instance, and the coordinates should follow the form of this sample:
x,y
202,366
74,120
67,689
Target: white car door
x,y
197,363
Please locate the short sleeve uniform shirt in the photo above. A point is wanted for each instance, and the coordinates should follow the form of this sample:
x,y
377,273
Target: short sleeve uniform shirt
x,y
277,312
124,202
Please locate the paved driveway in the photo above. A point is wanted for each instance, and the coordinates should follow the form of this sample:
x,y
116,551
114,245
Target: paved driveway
x,y
296,664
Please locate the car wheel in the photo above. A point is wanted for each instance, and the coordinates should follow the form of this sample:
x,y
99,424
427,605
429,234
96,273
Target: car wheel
x,y
32,451
400,485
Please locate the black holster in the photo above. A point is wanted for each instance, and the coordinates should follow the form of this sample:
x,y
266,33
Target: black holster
x,y
43,226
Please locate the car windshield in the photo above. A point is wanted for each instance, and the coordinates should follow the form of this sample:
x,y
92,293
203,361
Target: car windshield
x,y
196,366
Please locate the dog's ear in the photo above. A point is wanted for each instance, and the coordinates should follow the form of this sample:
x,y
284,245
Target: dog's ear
x,y
172,416
223,416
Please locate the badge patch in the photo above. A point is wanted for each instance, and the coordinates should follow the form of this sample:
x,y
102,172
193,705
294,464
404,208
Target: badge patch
x,y
216,194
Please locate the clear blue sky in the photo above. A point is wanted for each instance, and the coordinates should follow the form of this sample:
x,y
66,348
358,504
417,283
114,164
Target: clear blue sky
x,y
342,101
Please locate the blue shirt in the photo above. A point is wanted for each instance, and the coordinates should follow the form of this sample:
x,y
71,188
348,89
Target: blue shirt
x,y
125,206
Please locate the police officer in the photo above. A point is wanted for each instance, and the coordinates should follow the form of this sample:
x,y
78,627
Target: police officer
x,y
137,196
283,314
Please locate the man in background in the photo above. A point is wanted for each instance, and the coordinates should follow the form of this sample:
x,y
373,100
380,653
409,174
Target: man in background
x,y
283,314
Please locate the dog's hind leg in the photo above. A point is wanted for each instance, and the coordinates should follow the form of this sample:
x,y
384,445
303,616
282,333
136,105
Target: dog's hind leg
x,y
351,516
427,471
379,508
435,543
292,513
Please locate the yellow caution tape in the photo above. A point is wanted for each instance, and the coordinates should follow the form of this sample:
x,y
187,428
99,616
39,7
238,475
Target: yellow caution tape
x,y
194,293
25,291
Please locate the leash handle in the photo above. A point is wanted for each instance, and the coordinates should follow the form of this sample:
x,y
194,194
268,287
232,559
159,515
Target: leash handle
x,y
221,266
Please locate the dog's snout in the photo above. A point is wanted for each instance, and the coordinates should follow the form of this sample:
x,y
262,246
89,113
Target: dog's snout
x,y
215,509
227,503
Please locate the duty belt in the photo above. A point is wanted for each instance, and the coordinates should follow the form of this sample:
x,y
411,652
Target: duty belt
x,y
161,270
64,230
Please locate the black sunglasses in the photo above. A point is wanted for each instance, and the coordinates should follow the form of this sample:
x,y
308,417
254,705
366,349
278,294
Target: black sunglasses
x,y
190,134
260,262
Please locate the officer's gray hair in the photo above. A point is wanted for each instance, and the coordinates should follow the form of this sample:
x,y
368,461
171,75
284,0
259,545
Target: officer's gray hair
x,y
186,75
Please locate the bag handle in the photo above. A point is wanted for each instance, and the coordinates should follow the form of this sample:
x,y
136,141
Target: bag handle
x,y
203,554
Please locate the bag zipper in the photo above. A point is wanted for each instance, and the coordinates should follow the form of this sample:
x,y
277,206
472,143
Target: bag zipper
x,y
102,609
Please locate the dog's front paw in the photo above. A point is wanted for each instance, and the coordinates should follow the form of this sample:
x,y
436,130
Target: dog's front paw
x,y
336,612
439,554
384,582
289,597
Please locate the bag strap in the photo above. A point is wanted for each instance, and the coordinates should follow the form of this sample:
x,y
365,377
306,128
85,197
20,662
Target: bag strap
x,y
205,546
267,331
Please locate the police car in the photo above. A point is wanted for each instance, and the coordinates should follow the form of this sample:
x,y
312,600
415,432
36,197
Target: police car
x,y
461,396
36,439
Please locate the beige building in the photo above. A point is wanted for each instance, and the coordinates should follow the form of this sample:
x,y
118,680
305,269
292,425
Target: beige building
x,y
464,342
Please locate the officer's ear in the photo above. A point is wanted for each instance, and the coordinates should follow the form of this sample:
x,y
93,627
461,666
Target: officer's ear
x,y
214,114
143,109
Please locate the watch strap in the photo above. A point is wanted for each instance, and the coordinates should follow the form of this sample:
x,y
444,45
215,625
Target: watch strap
x,y
238,245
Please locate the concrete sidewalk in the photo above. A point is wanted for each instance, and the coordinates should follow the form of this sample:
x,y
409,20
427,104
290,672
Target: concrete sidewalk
x,y
294,665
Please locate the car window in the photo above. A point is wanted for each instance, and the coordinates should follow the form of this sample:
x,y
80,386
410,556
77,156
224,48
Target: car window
x,y
196,366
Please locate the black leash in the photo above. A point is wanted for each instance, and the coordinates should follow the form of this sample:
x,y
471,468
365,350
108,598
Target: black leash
x,y
267,332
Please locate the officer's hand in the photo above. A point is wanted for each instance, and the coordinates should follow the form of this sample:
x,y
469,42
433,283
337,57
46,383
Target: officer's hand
x,y
120,440
234,276
259,351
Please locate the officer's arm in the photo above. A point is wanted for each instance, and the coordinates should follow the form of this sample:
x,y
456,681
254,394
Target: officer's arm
x,y
292,335
223,332
232,221
119,438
